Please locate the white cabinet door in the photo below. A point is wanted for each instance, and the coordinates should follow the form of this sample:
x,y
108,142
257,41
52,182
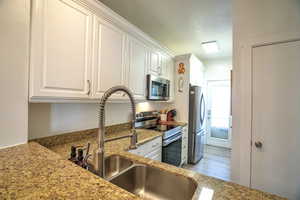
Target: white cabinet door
x,y
60,49
164,71
155,63
155,154
109,57
170,67
170,75
149,149
137,68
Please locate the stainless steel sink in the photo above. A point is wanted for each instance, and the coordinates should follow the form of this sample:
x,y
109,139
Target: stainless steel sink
x,y
115,164
152,184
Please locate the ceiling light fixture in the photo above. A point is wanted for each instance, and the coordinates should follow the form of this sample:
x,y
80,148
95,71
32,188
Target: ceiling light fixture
x,y
210,47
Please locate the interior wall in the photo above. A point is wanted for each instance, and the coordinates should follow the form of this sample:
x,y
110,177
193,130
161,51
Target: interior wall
x,y
54,119
182,98
218,69
14,40
254,19
194,74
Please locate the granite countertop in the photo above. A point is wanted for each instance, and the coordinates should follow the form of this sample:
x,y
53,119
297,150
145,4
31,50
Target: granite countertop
x,y
110,147
31,171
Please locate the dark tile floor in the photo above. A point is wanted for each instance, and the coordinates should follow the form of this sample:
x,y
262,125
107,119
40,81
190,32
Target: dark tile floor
x,y
215,163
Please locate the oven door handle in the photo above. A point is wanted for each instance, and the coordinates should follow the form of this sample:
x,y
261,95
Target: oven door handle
x,y
170,140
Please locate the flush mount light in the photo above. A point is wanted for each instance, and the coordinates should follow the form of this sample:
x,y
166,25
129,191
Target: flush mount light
x,y
210,47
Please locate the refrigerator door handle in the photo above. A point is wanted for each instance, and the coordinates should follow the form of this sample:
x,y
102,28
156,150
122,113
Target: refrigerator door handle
x,y
201,101
204,107
202,112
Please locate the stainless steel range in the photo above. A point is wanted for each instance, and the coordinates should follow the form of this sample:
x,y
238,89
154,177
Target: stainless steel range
x,y
172,136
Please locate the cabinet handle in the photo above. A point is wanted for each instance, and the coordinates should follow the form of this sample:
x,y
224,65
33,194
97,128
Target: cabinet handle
x,y
89,87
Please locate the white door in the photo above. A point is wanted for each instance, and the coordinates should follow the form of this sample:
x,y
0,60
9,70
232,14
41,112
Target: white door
x,y
109,57
60,49
218,113
137,68
276,119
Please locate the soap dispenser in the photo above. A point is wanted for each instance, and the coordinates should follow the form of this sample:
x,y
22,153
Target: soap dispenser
x,y
73,154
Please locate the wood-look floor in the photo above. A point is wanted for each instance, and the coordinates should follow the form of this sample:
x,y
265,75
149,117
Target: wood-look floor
x,y
215,163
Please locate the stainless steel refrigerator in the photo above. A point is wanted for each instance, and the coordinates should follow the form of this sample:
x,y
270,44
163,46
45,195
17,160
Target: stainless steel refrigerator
x,y
196,124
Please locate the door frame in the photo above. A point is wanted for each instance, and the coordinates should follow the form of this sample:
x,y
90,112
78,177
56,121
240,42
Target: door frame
x,y
217,142
242,99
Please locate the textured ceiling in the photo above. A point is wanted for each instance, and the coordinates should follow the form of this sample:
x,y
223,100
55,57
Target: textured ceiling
x,y
181,25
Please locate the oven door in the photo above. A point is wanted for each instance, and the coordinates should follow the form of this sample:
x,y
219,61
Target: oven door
x,y
158,88
171,150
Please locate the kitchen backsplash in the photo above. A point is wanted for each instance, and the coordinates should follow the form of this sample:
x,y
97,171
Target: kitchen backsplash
x,y
79,135
54,119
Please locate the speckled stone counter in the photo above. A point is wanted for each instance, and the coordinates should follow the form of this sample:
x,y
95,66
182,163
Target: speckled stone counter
x,y
31,171
110,147
221,190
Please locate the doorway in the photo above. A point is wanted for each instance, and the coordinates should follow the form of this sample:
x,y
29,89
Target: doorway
x,y
218,113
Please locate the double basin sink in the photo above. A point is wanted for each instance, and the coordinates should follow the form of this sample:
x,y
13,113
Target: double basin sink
x,y
148,182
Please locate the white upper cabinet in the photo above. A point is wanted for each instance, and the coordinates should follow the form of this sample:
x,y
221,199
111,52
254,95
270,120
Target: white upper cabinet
x,y
164,69
155,63
78,55
158,64
109,57
137,69
170,70
60,64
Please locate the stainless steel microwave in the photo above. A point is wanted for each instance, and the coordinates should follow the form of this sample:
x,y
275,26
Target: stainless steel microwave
x,y
158,89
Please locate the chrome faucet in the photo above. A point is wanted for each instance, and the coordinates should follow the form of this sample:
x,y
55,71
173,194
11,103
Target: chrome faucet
x,y
98,157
